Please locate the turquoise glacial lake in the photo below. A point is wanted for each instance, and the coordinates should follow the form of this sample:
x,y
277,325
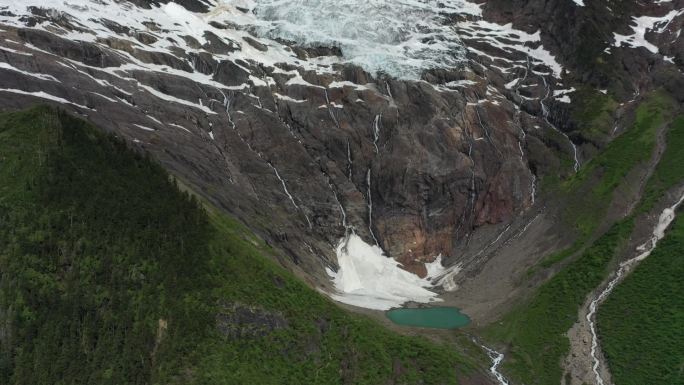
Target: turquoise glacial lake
x,y
429,317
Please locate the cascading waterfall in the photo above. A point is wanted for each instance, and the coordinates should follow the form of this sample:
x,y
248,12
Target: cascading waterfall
x,y
664,221
285,123
492,243
496,358
523,134
342,211
370,207
287,192
484,129
471,198
527,225
284,186
226,104
350,164
330,109
376,131
545,114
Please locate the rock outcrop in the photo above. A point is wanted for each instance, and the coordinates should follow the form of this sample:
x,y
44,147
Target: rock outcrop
x,y
304,147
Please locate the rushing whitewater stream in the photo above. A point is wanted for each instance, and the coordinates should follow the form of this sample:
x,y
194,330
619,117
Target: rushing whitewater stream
x,y
644,250
496,358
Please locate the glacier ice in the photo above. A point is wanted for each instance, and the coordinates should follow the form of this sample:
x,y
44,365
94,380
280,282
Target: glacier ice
x,y
399,37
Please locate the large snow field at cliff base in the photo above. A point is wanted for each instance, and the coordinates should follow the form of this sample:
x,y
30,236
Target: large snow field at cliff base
x,y
367,278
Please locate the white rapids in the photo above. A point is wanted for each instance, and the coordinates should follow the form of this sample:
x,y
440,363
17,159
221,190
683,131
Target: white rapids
x,y
496,358
644,250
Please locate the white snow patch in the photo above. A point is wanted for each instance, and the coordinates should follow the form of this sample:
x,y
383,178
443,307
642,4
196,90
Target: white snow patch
x,y
9,67
179,126
369,279
152,118
460,83
434,268
144,127
508,39
287,98
643,25
43,95
563,92
104,97
512,83
10,50
346,83
174,99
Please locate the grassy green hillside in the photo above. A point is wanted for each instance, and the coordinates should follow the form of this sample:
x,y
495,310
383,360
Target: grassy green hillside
x,y
535,330
641,324
669,171
590,191
111,275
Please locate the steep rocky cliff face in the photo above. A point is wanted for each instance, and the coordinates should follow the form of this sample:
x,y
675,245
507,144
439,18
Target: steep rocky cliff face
x,y
305,145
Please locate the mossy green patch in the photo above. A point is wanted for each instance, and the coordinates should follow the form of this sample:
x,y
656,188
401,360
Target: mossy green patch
x,y
589,192
593,112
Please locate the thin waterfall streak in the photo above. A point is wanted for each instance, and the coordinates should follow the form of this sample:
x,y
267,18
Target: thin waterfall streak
x,y
376,131
370,207
330,110
349,161
492,243
545,115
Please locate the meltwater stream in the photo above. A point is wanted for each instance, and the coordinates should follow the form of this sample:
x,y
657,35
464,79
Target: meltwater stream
x,y
399,37
496,358
666,217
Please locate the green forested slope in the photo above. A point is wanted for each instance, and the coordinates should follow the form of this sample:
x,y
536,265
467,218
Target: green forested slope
x,y
110,275
641,323
535,330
